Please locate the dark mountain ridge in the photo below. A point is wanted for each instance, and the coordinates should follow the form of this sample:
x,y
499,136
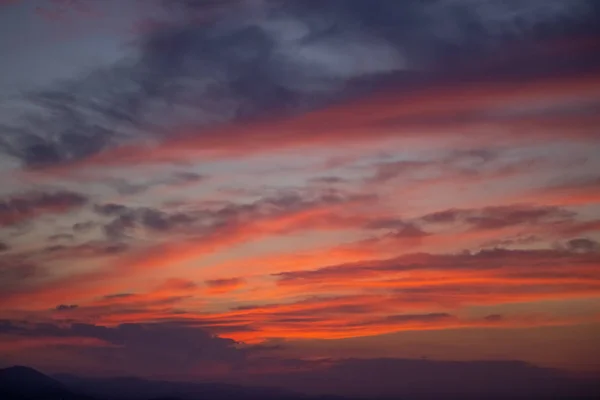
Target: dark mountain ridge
x,y
24,383
133,388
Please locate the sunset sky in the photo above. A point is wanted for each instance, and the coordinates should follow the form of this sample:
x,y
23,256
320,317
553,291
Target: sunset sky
x,y
193,188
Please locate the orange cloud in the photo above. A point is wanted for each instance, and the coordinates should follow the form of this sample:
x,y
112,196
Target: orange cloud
x,y
411,292
354,316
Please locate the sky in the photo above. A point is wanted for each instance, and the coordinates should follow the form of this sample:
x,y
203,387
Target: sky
x,y
235,189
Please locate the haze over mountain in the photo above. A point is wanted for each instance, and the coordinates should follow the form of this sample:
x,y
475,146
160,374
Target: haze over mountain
x,y
380,379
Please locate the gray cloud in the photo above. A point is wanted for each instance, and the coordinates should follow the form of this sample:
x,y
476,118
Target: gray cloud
x,y
477,162
126,218
398,229
265,58
66,307
119,295
81,250
13,269
408,231
516,240
16,272
500,216
151,348
583,245
82,227
128,187
61,237
226,216
21,208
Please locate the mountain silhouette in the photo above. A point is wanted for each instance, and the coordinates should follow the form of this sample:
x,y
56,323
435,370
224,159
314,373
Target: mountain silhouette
x,y
24,383
131,388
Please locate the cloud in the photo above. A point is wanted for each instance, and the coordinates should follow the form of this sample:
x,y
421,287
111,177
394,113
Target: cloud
x,y
574,192
408,231
177,285
500,216
408,318
282,58
166,301
583,245
372,314
494,317
341,80
216,227
232,224
219,286
227,217
512,241
444,282
81,227
145,348
16,271
176,180
389,170
364,296
504,226
66,307
426,115
21,208
28,273
126,218
61,237
89,249
328,180
496,18
481,262
118,296
163,349
457,162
